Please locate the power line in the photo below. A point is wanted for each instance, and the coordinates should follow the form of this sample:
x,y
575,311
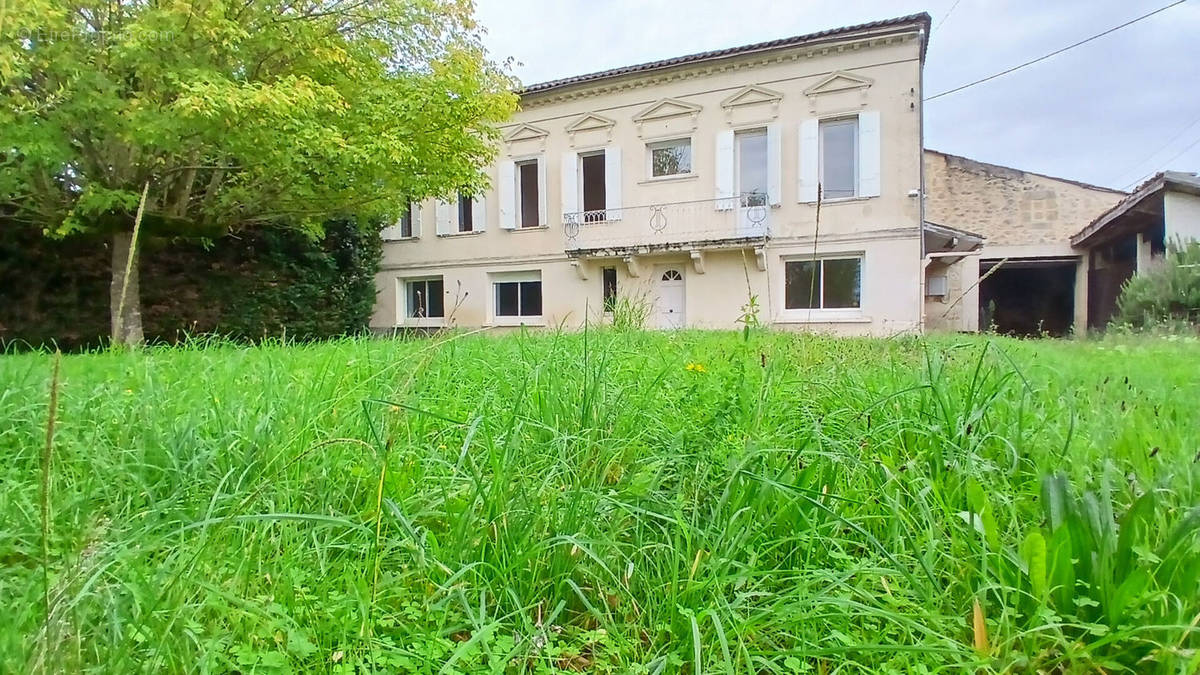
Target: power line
x,y
1164,146
1172,158
947,15
1056,52
1179,154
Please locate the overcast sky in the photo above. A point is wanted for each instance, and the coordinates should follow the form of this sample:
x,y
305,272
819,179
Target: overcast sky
x,y
1109,112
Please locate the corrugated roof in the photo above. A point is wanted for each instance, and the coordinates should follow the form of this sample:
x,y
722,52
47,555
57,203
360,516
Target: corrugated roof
x,y
922,20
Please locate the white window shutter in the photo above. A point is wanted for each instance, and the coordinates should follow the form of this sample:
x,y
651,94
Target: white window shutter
x,y
441,217
612,182
414,209
543,208
868,153
506,192
479,213
570,183
390,233
724,171
808,160
774,165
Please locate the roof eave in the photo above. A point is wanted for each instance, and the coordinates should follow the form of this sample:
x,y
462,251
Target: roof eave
x,y
1096,228
920,22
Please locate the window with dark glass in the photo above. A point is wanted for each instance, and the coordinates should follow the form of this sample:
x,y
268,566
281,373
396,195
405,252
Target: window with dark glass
x,y
838,149
609,282
594,194
527,193
518,298
425,298
466,210
752,167
406,229
830,283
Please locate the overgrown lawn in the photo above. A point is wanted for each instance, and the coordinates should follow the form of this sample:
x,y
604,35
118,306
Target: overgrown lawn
x,y
606,502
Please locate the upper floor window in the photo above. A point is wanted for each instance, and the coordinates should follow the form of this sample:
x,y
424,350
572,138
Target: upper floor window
x,y
406,222
670,158
407,226
466,213
591,171
591,185
751,162
528,194
462,214
839,158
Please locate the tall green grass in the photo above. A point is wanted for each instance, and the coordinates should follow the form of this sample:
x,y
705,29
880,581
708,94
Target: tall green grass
x,y
611,501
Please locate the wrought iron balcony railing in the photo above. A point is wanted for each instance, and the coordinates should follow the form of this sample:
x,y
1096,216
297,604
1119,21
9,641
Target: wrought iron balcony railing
x,y
727,221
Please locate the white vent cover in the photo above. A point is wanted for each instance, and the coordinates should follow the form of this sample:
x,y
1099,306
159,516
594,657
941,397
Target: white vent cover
x,y
937,286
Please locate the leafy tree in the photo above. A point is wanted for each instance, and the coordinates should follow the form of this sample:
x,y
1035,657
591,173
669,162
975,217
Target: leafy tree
x,y
231,114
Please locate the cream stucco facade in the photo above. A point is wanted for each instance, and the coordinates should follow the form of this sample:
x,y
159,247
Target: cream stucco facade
x,y
762,126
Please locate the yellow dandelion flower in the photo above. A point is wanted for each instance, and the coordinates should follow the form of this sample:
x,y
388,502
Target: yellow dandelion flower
x,y
696,368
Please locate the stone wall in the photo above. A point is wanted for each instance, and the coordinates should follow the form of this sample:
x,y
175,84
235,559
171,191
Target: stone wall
x,y
1008,206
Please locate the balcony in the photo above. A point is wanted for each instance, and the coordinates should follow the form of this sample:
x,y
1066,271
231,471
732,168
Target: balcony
x,y
730,222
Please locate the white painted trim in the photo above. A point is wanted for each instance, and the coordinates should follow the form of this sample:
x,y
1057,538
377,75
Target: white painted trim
x,y
569,190
612,182
508,194
724,172
808,161
869,167
774,165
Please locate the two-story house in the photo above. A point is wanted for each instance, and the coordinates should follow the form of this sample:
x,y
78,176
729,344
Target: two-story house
x,y
789,171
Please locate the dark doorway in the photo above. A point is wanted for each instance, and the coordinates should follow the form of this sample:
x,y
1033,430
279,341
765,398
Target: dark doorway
x,y
1110,266
1027,297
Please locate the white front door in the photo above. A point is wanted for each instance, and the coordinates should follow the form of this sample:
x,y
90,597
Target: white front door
x,y
669,297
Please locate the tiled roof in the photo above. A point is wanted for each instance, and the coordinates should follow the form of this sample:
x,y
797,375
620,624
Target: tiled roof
x,y
922,20
1176,180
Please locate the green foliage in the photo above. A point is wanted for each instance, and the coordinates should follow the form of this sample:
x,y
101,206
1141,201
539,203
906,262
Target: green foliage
x,y
1128,583
240,114
267,282
1166,294
228,116
631,311
616,501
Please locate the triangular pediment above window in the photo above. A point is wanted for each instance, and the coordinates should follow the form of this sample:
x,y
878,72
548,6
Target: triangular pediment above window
x,y
590,122
838,81
525,132
666,108
751,95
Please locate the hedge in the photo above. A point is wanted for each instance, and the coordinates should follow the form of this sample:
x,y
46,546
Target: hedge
x,y
262,283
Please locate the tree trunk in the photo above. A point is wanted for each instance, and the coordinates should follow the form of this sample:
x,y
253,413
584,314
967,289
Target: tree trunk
x,y
126,328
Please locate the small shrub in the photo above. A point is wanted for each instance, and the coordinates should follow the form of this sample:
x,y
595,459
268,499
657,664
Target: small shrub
x,y
1168,293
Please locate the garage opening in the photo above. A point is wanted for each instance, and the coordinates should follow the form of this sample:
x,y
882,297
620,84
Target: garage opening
x,y
1110,266
1027,297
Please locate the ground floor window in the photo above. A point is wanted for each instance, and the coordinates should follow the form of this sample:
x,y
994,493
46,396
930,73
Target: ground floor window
x,y
518,295
610,288
424,298
825,283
